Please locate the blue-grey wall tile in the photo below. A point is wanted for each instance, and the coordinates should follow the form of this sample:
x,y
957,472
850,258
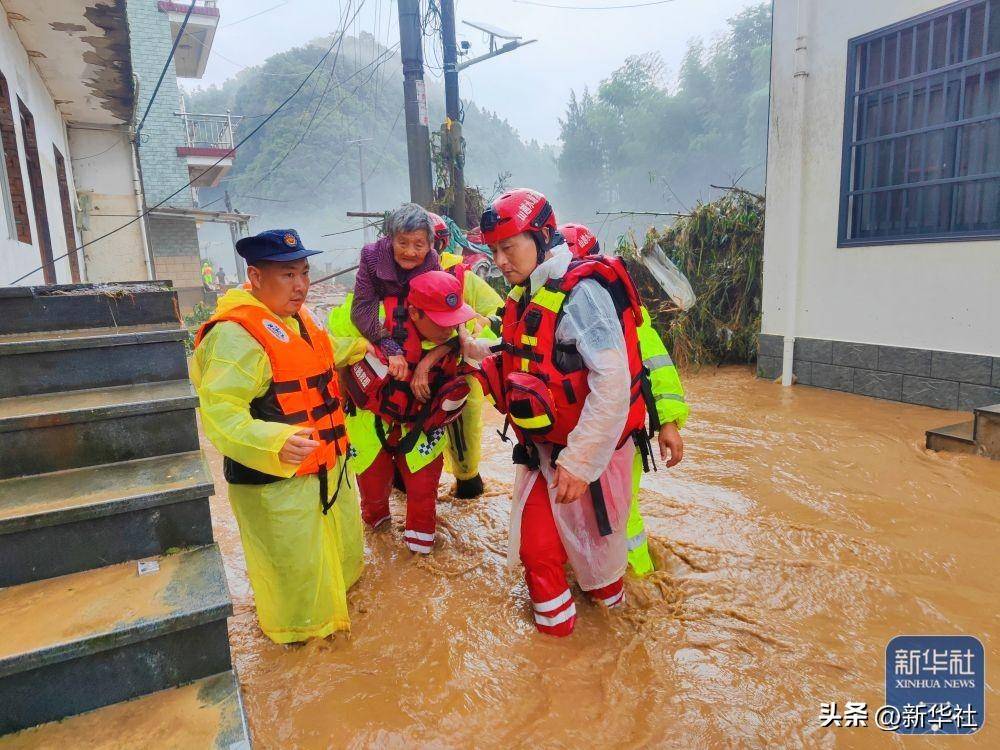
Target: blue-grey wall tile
x,y
887,385
769,345
835,377
977,396
768,368
802,371
929,392
813,350
850,354
996,372
906,361
966,368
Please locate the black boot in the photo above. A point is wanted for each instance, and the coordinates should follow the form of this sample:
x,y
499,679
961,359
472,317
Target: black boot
x,y
397,481
469,488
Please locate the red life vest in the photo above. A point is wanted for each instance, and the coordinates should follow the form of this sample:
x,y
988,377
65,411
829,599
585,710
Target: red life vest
x,y
304,390
531,354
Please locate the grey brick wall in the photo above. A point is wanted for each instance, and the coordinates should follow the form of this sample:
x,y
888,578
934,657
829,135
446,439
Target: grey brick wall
x,y
947,380
171,237
163,171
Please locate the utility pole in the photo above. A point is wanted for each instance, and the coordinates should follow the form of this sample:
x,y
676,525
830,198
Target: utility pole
x,y
364,195
241,271
418,143
451,134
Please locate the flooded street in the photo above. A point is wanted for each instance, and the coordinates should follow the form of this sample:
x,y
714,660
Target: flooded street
x,y
804,529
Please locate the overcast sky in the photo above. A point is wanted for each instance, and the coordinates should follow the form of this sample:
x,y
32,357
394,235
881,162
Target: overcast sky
x,y
530,86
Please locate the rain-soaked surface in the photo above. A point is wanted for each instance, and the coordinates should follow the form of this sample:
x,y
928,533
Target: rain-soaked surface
x,y
804,529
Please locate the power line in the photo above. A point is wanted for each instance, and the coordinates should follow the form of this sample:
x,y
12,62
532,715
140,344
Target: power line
x,y
354,229
229,153
166,65
593,7
254,15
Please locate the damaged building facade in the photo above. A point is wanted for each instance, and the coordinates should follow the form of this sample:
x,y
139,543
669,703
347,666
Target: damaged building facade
x,y
66,92
86,154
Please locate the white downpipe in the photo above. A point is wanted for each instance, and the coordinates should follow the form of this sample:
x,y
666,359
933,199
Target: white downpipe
x,y
801,76
140,208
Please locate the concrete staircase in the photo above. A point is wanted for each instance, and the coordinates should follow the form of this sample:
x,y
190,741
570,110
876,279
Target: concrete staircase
x,y
111,588
978,437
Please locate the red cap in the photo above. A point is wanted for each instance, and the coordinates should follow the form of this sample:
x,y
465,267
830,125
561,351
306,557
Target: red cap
x,y
439,295
581,240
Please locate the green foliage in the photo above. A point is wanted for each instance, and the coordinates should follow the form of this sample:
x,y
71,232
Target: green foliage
x,y
720,248
303,158
200,314
634,133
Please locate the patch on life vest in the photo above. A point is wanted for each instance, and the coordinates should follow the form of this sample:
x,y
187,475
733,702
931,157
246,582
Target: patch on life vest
x,y
290,240
275,330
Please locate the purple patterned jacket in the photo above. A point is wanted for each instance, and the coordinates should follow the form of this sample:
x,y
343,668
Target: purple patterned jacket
x,y
379,277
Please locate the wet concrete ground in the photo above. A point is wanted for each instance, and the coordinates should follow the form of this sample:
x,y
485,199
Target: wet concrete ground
x,y
804,529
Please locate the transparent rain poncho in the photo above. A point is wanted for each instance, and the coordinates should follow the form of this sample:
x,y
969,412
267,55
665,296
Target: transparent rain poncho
x,y
591,323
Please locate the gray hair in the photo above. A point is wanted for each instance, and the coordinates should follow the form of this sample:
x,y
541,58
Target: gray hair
x,y
409,218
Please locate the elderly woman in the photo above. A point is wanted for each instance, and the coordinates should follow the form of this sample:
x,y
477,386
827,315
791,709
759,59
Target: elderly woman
x,y
385,270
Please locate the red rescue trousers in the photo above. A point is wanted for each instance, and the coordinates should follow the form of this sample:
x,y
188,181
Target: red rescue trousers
x,y
375,484
544,559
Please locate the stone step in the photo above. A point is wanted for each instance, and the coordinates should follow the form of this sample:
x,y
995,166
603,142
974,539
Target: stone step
x,y
102,515
206,713
956,438
49,361
71,429
86,640
52,308
988,431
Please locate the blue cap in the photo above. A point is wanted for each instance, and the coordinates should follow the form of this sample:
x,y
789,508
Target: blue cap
x,y
274,244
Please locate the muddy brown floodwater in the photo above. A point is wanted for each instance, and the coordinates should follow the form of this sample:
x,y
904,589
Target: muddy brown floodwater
x,y
804,529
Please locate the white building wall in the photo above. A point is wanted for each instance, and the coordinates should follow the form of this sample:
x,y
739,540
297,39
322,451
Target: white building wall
x,y
102,161
941,296
17,258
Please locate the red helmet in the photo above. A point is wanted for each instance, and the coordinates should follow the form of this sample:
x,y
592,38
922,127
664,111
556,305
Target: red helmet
x,y
581,240
516,211
442,235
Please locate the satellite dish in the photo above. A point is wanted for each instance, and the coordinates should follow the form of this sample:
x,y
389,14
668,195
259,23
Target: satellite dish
x,y
492,30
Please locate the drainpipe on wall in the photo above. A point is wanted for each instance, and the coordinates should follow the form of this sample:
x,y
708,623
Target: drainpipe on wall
x,y
140,199
796,232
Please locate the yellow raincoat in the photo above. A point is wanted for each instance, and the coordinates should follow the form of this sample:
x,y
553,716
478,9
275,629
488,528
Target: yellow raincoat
x,y
463,461
300,562
668,393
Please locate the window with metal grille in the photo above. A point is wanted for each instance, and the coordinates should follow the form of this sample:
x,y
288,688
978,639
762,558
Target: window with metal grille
x,y
922,129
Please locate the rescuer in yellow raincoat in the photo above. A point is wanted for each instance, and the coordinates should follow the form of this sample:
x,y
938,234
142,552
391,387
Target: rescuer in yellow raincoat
x,y
270,403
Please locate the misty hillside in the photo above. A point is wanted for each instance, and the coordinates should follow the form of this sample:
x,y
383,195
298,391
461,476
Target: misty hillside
x,y
301,168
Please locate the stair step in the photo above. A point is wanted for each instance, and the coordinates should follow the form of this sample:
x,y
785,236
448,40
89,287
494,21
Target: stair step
x,y
957,438
49,361
101,515
53,308
90,639
988,431
207,713
69,429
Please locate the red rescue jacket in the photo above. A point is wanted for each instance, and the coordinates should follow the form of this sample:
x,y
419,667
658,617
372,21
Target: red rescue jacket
x,y
529,346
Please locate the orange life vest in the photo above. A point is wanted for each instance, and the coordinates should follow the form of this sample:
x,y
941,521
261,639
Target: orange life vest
x,y
530,347
304,390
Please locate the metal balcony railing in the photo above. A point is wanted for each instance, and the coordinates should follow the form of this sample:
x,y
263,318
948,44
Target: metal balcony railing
x,y
209,131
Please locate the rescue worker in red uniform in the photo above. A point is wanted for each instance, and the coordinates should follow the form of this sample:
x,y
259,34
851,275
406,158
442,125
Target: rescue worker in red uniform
x,y
398,426
569,379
